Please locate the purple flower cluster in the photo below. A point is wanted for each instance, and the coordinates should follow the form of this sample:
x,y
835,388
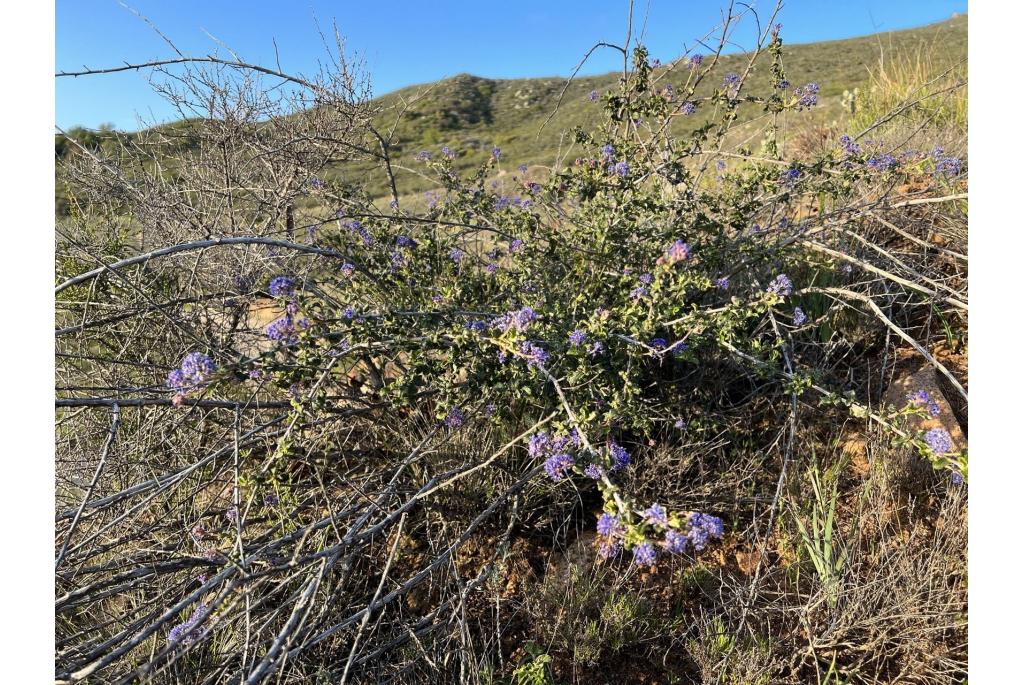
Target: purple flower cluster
x,y
696,60
558,466
921,398
781,285
939,441
621,169
282,286
687,108
519,319
423,156
946,165
722,283
807,96
677,252
645,554
731,82
516,245
577,337
702,528
656,515
455,418
883,162
789,177
620,457
286,329
799,318
593,96
194,371
849,147
456,255
356,226
348,269
534,354
187,632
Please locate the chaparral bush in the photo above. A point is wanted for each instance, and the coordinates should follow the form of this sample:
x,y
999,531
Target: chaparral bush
x,y
638,338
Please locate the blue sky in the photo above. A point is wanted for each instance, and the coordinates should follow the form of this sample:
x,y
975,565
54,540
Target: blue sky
x,y
405,42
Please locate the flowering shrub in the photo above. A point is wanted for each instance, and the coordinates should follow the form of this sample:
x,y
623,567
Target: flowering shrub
x,y
620,268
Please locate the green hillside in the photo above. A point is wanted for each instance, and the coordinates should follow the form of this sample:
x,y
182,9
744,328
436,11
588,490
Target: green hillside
x,y
472,114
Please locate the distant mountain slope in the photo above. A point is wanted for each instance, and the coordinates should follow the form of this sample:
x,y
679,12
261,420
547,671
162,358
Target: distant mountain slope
x,y
472,114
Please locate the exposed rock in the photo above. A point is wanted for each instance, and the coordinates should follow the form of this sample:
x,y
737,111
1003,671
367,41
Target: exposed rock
x,y
926,378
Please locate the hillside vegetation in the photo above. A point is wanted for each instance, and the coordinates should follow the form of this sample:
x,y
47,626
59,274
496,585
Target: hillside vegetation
x,y
530,119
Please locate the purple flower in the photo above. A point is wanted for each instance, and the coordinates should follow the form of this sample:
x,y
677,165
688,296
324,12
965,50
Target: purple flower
x,y
557,466
447,152
405,241
455,418
608,525
921,398
609,548
593,471
176,380
577,337
781,285
939,441
677,252
646,279
538,444
476,326
702,528
798,316
849,147
593,96
957,478
731,81
283,330
680,424
456,255
348,269
784,84
196,367
638,292
722,283
789,177
348,313
644,554
622,169
696,60
620,457
675,542
608,152
188,631
423,156
516,245
535,355
496,152
597,348
658,343
656,515
947,166
282,286
687,108
807,96
522,168
883,162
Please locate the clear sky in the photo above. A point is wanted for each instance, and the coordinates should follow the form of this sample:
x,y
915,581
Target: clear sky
x,y
410,41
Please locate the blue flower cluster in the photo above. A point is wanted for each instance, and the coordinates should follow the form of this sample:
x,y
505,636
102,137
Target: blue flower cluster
x,y
195,370
807,96
921,398
699,530
187,632
282,286
519,319
939,441
781,286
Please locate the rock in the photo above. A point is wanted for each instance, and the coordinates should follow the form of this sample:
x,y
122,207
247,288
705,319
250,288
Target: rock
x,y
926,378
